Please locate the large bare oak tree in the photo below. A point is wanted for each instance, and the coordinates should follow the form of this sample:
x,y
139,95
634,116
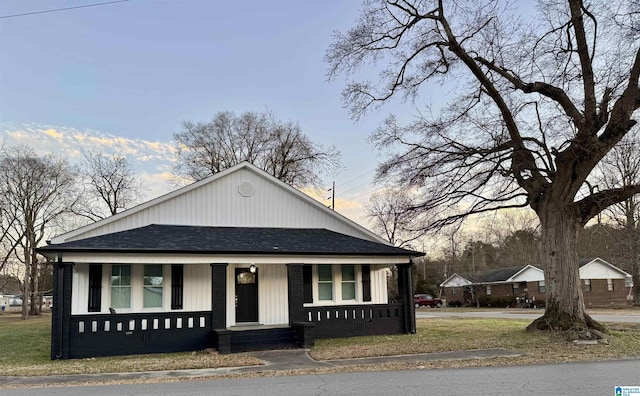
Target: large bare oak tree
x,y
537,101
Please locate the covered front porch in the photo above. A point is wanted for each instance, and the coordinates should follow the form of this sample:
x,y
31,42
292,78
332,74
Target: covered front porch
x,y
87,334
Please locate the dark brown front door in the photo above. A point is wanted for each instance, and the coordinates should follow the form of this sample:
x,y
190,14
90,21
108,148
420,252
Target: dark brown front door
x,y
246,295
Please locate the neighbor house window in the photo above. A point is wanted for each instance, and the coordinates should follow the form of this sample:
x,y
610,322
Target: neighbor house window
x,y
152,293
348,282
587,285
487,290
610,284
542,288
121,286
325,282
516,288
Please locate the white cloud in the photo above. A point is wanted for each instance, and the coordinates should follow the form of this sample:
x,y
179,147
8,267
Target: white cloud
x,y
151,160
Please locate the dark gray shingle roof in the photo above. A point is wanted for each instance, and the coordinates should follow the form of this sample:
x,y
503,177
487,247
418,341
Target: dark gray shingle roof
x,y
229,240
495,275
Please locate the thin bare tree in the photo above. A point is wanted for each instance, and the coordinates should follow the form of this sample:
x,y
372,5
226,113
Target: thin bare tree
x,y
35,191
279,148
538,101
387,210
621,168
111,183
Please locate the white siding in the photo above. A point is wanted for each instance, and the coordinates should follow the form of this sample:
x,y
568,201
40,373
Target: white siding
x,y
456,281
80,289
273,308
599,270
218,203
379,284
196,288
530,274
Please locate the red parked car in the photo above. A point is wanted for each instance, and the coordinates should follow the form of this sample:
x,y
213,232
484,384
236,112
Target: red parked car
x,y
428,300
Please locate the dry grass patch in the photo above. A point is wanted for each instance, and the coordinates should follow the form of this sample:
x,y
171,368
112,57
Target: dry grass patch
x,y
25,351
455,334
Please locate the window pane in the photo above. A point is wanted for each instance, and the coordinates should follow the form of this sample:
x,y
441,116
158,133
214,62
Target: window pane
x,y
152,297
121,275
152,293
348,273
325,291
121,297
325,273
348,291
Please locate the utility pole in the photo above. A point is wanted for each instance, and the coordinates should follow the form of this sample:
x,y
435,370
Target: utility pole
x,y
333,195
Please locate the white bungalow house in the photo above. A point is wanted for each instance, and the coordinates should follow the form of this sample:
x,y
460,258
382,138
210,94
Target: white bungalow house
x,y
238,261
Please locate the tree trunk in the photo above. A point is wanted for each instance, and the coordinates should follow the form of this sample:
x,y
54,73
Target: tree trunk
x,y
557,253
26,292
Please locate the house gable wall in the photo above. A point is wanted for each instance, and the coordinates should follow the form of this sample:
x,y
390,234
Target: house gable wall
x,y
598,269
529,274
243,197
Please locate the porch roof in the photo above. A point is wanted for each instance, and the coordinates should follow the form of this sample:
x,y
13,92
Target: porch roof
x,y
157,238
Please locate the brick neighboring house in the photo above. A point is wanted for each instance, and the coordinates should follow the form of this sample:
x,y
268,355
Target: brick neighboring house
x,y
504,286
604,284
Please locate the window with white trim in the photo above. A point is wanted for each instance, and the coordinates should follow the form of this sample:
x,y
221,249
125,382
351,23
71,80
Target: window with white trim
x,y
610,284
348,282
325,282
542,287
121,286
587,285
487,290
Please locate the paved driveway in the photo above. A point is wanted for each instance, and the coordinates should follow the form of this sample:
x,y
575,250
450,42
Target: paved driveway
x,y
530,314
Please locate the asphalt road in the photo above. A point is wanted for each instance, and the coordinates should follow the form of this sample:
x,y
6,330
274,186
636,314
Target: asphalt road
x,y
518,314
581,379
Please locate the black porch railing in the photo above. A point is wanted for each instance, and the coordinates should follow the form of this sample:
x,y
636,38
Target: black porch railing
x,y
355,320
135,333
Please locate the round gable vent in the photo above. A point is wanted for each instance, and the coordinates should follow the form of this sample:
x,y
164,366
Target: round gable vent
x,y
246,189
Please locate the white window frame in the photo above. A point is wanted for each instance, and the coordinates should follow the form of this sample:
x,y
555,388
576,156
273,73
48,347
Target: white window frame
x,y
487,290
129,286
610,286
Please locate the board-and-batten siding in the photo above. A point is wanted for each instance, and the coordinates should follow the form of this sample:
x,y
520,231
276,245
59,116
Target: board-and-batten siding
x,y
379,285
219,203
196,289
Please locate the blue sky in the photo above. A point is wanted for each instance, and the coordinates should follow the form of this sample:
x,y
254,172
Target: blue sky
x,y
123,77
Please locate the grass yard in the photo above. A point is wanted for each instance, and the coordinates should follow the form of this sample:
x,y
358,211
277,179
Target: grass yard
x,y
24,348
454,334
25,351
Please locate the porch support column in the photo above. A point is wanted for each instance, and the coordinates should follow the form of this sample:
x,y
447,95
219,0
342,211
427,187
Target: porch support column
x,y
295,289
219,307
405,289
61,315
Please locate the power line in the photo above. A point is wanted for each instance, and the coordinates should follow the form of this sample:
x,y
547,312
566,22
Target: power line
x,y
62,9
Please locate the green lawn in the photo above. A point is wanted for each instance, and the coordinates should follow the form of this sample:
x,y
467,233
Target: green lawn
x,y
24,350
453,334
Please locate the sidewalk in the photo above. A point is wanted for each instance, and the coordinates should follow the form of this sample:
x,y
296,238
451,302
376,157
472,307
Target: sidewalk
x,y
281,360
